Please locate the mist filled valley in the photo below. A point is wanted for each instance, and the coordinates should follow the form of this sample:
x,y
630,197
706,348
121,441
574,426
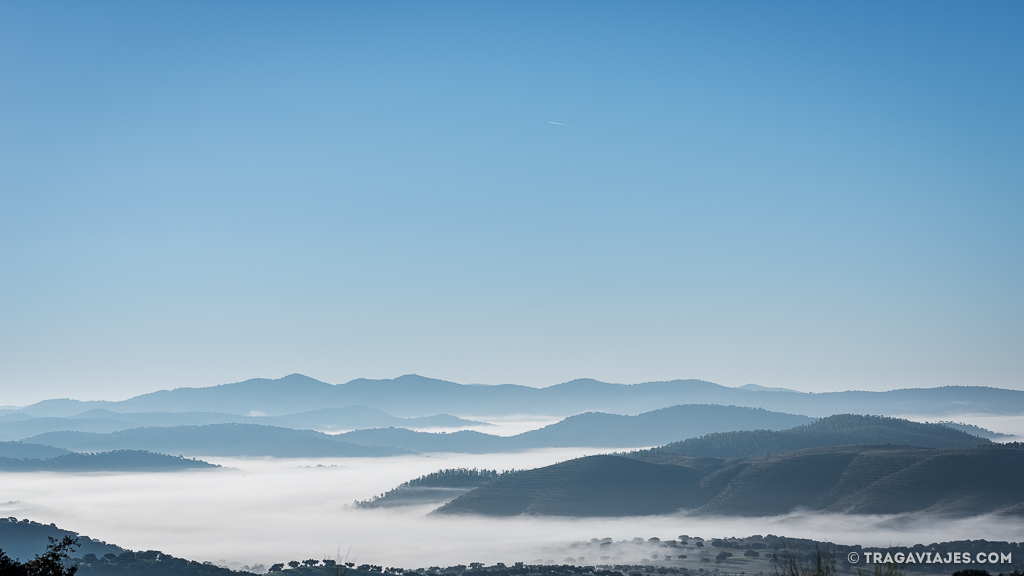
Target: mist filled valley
x,y
263,511
496,486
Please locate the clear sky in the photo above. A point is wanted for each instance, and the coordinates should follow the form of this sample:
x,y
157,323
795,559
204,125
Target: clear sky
x,y
819,195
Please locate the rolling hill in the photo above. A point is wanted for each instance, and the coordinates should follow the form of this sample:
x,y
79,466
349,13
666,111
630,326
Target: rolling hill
x,y
655,427
832,431
434,488
23,540
864,479
115,461
22,450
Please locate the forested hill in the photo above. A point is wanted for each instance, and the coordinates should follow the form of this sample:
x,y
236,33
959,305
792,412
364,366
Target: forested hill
x,y
17,425
590,429
113,461
437,487
23,450
25,539
864,479
831,431
655,427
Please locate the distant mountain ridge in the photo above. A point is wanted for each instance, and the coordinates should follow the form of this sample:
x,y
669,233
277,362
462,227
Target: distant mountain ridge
x,y
415,396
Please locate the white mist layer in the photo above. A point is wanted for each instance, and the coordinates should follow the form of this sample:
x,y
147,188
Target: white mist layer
x,y
503,425
1012,425
493,425
275,510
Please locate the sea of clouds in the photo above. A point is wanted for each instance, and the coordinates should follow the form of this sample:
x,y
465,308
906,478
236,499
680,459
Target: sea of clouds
x,y
274,510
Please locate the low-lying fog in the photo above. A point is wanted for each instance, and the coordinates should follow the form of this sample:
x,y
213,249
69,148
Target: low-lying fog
x,y
275,510
496,425
1012,426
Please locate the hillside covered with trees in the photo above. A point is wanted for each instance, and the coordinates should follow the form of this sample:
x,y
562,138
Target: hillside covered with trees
x,y
838,430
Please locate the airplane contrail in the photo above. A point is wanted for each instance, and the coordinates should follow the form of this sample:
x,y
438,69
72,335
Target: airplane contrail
x,y
558,123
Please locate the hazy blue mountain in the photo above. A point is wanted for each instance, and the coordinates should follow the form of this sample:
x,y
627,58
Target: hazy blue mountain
x,y
434,488
20,425
161,418
27,450
413,396
465,441
217,440
831,431
589,429
655,427
25,539
863,479
360,417
24,428
115,461
757,388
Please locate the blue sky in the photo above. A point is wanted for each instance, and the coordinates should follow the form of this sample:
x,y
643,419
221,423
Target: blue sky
x,y
820,196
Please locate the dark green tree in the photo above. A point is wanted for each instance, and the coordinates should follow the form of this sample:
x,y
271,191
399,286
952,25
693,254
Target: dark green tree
x,y
49,563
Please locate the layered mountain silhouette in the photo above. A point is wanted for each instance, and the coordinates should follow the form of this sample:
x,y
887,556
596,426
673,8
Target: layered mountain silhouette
x,y
21,450
775,433
862,479
592,429
19,425
416,396
217,440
